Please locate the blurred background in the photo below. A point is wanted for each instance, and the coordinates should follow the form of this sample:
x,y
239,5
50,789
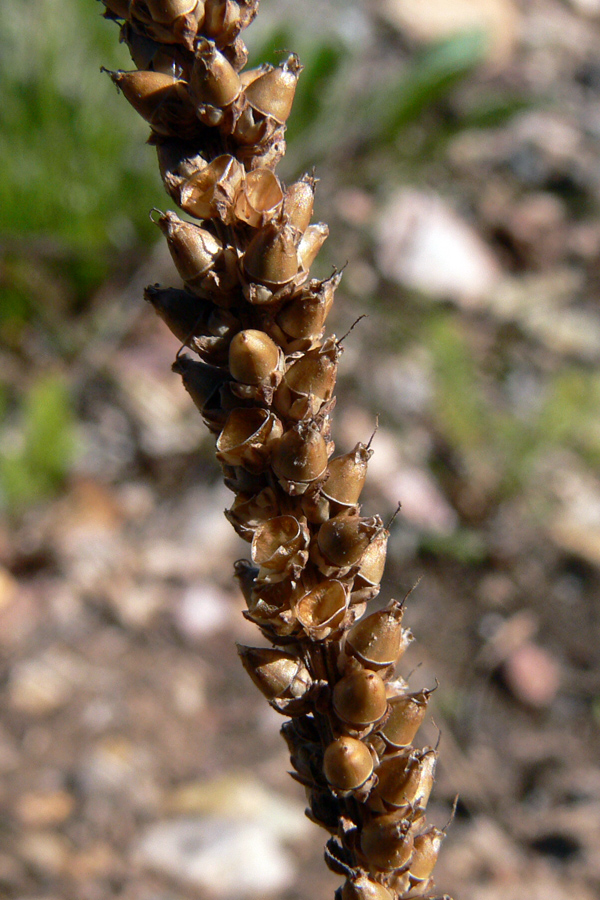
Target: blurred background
x,y
458,150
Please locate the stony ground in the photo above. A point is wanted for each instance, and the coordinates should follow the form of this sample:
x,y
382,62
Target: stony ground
x,y
136,761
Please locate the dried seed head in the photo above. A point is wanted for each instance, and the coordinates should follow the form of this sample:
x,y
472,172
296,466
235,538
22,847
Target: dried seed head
x,y
379,640
274,672
214,81
405,718
260,198
407,780
279,548
298,203
359,698
194,250
347,475
387,842
343,539
347,764
253,356
211,193
270,258
272,93
247,438
300,458
427,848
322,610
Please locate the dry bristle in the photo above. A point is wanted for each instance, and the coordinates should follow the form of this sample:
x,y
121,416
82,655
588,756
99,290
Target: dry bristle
x,y
265,385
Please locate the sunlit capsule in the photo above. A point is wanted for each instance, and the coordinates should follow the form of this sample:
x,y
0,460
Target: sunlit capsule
x,y
379,640
213,81
299,458
158,98
308,383
253,356
360,698
272,93
312,240
260,198
274,672
322,610
194,250
406,714
407,780
347,475
427,848
271,257
247,438
387,842
299,201
279,548
224,19
166,11
211,192
361,887
343,539
304,316
347,764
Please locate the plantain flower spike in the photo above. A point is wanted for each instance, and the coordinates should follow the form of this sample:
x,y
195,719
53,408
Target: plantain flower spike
x,y
262,373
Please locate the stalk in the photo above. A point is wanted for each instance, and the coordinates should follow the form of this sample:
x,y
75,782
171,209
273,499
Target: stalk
x,y
262,374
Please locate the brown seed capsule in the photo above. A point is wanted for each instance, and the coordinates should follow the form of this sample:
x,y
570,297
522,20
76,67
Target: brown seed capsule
x,y
312,240
270,258
178,161
359,698
406,780
272,93
279,548
304,316
194,250
405,718
308,383
322,610
427,848
253,356
300,458
347,764
158,98
214,81
343,539
260,198
299,201
166,11
204,328
379,640
251,510
224,19
274,672
360,887
211,193
347,475
247,438
387,842
199,380
372,566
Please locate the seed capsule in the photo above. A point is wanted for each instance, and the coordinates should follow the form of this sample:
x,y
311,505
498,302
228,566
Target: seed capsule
x,y
199,380
379,640
386,842
166,11
360,698
427,848
160,99
270,258
253,356
361,887
312,240
343,539
260,198
304,317
249,511
214,81
405,718
299,458
407,780
200,325
372,566
194,250
299,201
274,672
347,475
347,764
279,548
211,193
322,610
272,93
308,383
247,438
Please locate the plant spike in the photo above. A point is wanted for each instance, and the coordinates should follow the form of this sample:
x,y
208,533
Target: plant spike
x,y
264,383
